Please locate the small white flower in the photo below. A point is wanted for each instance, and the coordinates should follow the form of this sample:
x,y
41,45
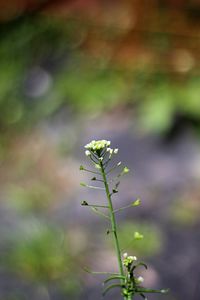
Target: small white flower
x,y
133,258
125,255
115,151
163,291
87,153
140,279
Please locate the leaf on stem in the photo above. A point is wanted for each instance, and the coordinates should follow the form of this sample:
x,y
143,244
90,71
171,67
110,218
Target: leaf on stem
x,y
135,203
139,264
100,213
114,278
92,187
142,264
99,273
144,290
111,287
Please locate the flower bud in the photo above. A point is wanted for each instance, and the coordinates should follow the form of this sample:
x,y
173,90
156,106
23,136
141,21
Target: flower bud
x,y
87,153
132,258
140,279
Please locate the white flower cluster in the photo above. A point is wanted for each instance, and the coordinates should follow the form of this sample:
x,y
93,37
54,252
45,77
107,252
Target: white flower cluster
x,y
111,151
125,255
128,259
98,146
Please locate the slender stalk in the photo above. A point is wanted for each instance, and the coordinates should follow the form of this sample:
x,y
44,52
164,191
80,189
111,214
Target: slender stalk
x,y
113,224
95,205
100,153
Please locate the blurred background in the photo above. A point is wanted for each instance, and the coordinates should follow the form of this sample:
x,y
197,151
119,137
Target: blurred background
x,y
76,70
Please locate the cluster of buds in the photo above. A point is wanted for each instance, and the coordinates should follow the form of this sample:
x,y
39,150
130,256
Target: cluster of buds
x,y
128,260
97,145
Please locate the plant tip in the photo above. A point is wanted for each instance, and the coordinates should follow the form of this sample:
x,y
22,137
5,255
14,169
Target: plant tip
x,y
138,236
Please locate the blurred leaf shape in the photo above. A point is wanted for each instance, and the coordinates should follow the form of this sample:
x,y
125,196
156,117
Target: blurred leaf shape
x,y
40,253
150,245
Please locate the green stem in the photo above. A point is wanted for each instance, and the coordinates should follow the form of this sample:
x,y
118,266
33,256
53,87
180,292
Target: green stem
x,y
113,224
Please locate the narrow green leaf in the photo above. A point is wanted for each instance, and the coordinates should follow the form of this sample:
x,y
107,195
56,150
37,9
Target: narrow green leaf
x,y
100,213
142,264
99,273
143,290
111,287
139,264
91,186
114,277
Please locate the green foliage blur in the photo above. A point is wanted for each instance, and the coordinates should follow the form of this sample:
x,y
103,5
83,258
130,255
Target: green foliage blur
x,y
40,254
80,62
149,245
50,62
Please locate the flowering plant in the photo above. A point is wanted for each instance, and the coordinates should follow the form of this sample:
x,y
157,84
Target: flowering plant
x,y
100,154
